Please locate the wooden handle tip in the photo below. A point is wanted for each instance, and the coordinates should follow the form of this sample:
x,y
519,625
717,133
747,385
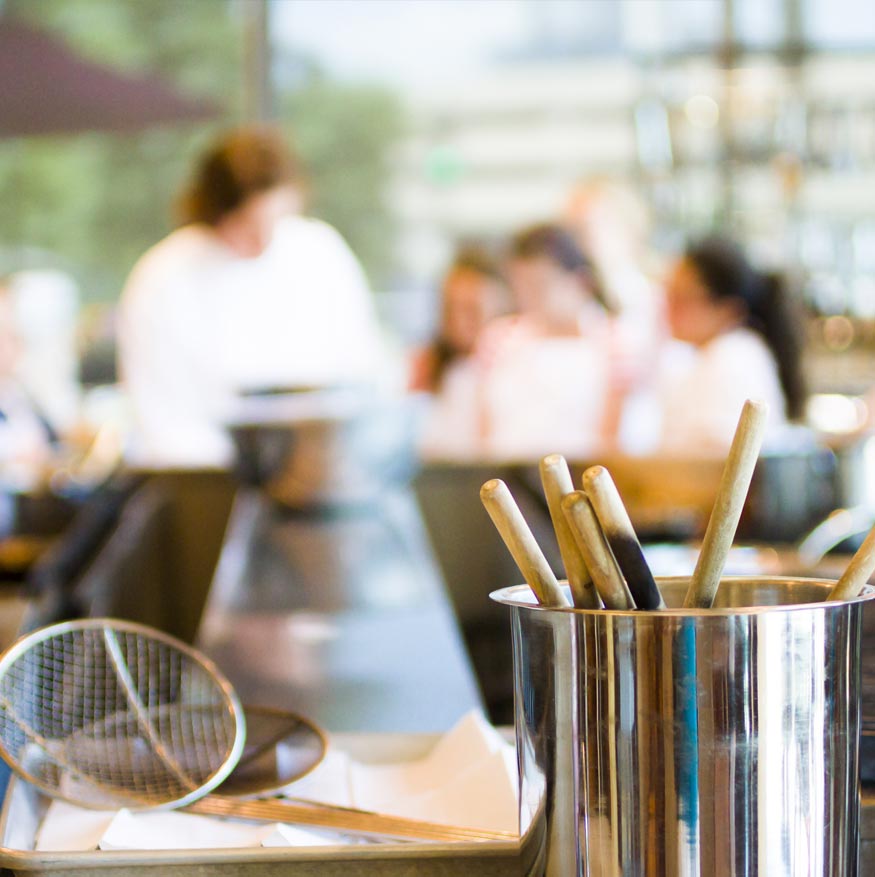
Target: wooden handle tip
x,y
551,461
754,413
490,488
594,474
572,499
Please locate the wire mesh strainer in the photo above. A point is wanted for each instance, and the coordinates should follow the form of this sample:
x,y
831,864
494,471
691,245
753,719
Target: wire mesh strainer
x,y
107,714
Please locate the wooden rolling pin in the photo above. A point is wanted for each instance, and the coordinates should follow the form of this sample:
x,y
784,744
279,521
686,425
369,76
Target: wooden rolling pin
x,y
731,494
556,478
518,538
591,541
620,535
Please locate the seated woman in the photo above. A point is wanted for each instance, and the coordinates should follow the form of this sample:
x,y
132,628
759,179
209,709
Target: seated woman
x,y
28,442
473,294
744,342
548,373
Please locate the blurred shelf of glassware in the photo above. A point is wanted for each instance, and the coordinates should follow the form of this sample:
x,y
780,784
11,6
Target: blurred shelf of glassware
x,y
756,116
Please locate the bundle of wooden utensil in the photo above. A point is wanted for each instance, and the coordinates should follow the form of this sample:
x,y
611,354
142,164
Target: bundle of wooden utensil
x,y
604,563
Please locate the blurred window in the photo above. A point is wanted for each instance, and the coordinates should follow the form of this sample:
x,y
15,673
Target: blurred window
x,y
426,123
760,23
839,24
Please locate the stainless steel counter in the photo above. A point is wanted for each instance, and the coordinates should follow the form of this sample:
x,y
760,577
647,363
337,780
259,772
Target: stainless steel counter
x,y
345,618
340,615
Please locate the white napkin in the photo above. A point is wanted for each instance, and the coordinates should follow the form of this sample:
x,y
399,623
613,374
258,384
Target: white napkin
x,y
293,836
469,779
66,827
171,830
168,830
482,796
328,783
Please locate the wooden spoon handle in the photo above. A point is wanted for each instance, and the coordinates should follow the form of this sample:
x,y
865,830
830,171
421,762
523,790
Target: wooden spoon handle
x,y
591,541
620,534
731,494
556,478
518,538
859,571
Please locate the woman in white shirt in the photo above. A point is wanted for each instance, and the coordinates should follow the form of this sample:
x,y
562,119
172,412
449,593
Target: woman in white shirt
x,y
742,341
29,444
246,295
473,294
548,372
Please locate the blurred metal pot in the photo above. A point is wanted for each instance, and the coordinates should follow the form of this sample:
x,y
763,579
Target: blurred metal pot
x,y
325,447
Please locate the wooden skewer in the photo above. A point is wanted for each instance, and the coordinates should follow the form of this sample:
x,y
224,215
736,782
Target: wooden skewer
x,y
859,570
557,482
734,484
591,541
518,538
620,535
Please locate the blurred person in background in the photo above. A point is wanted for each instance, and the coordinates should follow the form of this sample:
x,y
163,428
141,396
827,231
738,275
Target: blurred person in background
x,y
611,223
28,441
246,295
46,306
473,293
742,339
550,373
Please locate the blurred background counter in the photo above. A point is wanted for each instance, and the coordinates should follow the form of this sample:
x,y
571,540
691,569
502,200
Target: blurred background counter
x,y
337,613
369,617
340,614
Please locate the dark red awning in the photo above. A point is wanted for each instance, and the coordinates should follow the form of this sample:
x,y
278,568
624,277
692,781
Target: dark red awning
x,y
45,88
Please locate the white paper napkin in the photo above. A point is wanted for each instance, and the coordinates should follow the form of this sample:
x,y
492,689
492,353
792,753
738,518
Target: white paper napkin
x,y
469,779
293,836
171,830
167,830
482,796
328,783
65,828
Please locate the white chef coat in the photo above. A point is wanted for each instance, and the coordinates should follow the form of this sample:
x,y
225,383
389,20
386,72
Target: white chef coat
x,y
542,394
199,325
702,391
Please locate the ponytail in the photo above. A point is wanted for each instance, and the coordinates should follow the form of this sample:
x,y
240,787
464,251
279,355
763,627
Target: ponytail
x,y
774,315
770,309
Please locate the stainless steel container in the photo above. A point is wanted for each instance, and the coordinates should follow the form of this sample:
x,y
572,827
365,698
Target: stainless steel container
x,y
692,742
326,448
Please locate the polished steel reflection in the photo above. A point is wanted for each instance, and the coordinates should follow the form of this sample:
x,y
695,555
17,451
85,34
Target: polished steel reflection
x,y
692,742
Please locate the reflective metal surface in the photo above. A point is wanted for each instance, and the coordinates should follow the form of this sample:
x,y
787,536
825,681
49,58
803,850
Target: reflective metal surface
x,y
342,618
326,448
682,742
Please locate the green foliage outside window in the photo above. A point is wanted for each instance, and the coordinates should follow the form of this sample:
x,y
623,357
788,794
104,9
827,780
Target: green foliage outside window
x,y
92,203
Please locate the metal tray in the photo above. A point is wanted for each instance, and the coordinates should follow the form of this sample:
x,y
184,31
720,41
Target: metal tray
x,y
24,807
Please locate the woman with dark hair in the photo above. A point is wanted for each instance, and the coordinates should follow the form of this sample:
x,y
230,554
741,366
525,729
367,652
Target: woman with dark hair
x,y
240,186
473,294
746,342
245,295
548,372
